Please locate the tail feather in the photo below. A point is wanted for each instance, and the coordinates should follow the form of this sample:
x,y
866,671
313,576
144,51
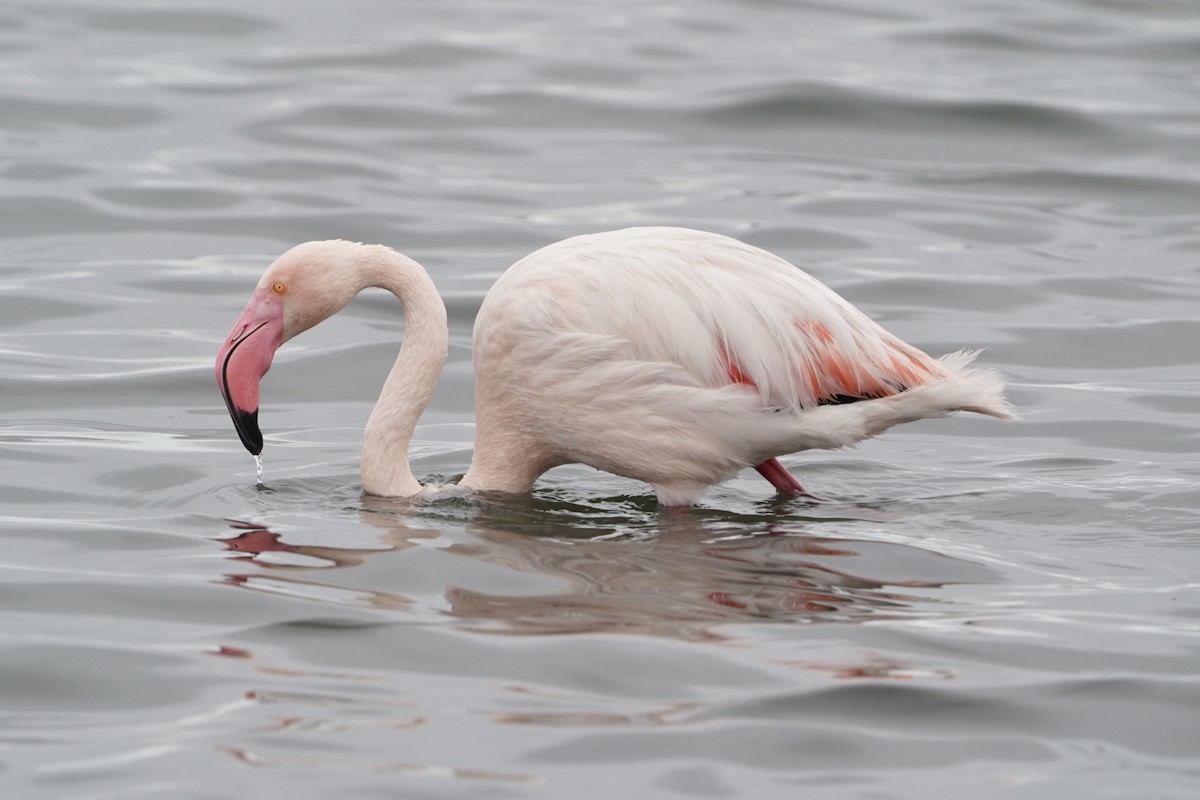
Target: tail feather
x,y
985,387
964,388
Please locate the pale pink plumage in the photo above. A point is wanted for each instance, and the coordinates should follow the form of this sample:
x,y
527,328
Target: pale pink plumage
x,y
669,355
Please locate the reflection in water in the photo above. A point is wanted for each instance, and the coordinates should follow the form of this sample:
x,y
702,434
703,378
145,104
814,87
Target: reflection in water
x,y
671,573
308,761
256,540
667,715
873,666
680,583
264,547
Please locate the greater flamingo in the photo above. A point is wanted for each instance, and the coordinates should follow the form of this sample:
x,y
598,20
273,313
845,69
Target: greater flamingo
x,y
669,355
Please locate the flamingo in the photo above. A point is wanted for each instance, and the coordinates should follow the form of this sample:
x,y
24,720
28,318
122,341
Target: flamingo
x,y
673,356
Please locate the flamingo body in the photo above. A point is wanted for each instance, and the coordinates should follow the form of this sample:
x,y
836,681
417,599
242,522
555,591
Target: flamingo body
x,y
669,355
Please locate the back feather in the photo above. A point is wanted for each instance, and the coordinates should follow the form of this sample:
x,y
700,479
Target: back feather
x,y
725,311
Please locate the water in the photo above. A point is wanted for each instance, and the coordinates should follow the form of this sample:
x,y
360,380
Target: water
x,y
985,610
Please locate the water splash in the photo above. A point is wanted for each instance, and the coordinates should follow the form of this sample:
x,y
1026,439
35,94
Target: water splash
x,y
258,467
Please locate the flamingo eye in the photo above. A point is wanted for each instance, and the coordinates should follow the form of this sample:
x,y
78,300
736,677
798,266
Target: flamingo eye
x,y
279,287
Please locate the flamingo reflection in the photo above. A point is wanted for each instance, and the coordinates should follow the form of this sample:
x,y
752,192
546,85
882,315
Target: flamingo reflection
x,y
682,581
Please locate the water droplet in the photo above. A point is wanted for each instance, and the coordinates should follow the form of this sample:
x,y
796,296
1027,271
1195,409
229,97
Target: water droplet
x,y
258,465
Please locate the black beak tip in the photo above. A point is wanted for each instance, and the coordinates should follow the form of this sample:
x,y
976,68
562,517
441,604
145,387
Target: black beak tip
x,y
246,423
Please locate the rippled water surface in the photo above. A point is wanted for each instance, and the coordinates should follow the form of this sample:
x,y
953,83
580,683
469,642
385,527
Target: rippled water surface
x,y
984,610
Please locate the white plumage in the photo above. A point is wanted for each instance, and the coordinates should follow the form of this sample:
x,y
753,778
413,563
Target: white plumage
x,y
669,355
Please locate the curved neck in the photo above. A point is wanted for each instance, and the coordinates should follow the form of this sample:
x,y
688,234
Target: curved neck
x,y
410,384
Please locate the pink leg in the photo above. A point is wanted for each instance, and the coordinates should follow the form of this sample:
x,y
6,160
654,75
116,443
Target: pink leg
x,y
781,479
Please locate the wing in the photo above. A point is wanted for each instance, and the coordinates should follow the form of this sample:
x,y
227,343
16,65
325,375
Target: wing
x,y
723,311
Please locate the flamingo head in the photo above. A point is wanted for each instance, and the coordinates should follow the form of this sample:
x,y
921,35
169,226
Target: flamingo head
x,y
304,286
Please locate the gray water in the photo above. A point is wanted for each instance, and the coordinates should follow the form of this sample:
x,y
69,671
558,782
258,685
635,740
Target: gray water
x,y
984,610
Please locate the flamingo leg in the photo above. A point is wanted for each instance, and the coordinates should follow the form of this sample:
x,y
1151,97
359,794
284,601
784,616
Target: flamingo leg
x,y
781,479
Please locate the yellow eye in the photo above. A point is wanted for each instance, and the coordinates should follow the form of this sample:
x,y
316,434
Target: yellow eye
x,y
279,287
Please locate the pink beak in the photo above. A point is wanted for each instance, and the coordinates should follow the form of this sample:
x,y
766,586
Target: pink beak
x,y
244,358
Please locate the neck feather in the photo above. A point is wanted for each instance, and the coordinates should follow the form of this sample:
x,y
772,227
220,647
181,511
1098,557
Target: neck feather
x,y
410,384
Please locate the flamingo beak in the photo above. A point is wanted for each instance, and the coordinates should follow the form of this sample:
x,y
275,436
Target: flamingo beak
x,y
244,358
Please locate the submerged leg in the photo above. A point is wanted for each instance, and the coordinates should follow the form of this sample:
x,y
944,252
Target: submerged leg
x,y
781,479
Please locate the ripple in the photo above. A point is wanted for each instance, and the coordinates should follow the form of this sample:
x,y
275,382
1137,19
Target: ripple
x,y
1122,434
809,104
1127,290
36,216
416,55
171,197
1133,344
942,293
25,114
45,172
30,309
803,747
920,707
1103,44
1170,403
302,170
122,679
177,22
1123,194
799,238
